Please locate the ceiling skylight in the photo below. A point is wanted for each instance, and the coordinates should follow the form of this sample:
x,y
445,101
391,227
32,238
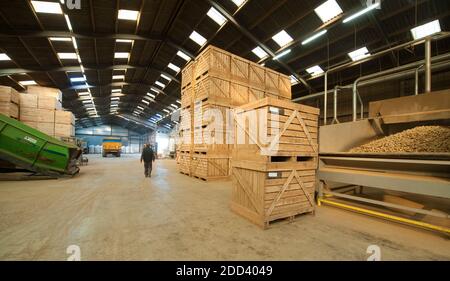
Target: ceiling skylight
x,y
216,16
197,38
328,10
282,38
426,29
258,51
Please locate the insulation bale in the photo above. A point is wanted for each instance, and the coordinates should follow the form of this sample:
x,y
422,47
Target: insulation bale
x,y
46,115
8,94
422,139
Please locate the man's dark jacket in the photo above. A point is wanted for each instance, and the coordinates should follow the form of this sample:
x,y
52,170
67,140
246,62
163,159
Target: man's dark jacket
x,y
148,155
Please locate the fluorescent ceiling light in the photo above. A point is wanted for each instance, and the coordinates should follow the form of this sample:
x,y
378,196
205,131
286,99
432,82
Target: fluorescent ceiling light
x,y
166,77
140,107
146,102
216,16
151,95
426,29
174,67
328,10
47,7
197,38
155,90
128,15
116,90
66,39
315,70
118,77
124,41
121,55
359,54
282,54
166,110
282,38
315,36
178,101
84,94
183,56
115,98
362,12
28,82
260,52
77,79
174,106
160,84
4,57
87,101
239,3
67,56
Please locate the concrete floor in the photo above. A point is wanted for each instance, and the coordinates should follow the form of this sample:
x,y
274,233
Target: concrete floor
x,y
113,213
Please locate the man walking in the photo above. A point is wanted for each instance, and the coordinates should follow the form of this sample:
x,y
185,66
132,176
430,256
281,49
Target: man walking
x,y
148,156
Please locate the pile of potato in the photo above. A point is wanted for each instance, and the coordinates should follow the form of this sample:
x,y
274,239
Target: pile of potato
x,y
423,139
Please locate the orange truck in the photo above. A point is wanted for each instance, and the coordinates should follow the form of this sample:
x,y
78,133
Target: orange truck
x,y
112,146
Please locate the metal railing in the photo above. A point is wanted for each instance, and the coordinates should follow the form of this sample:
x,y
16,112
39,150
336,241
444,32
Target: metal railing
x,y
371,79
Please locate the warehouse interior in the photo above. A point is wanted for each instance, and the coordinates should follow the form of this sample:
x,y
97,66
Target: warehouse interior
x,y
349,148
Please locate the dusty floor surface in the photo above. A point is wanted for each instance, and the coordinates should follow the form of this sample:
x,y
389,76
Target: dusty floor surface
x,y
113,213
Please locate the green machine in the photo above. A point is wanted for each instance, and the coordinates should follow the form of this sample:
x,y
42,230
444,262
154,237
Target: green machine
x,y
30,149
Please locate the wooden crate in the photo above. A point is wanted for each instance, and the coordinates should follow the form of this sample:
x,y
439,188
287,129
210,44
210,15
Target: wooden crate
x,y
268,192
211,87
64,131
49,102
45,91
276,127
184,163
239,70
207,167
45,116
211,111
9,109
28,101
64,117
186,119
187,97
213,62
187,74
47,128
185,140
8,94
28,114
257,76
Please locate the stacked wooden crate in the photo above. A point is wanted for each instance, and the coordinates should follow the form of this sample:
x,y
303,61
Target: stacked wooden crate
x,y
274,160
41,109
216,82
9,102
